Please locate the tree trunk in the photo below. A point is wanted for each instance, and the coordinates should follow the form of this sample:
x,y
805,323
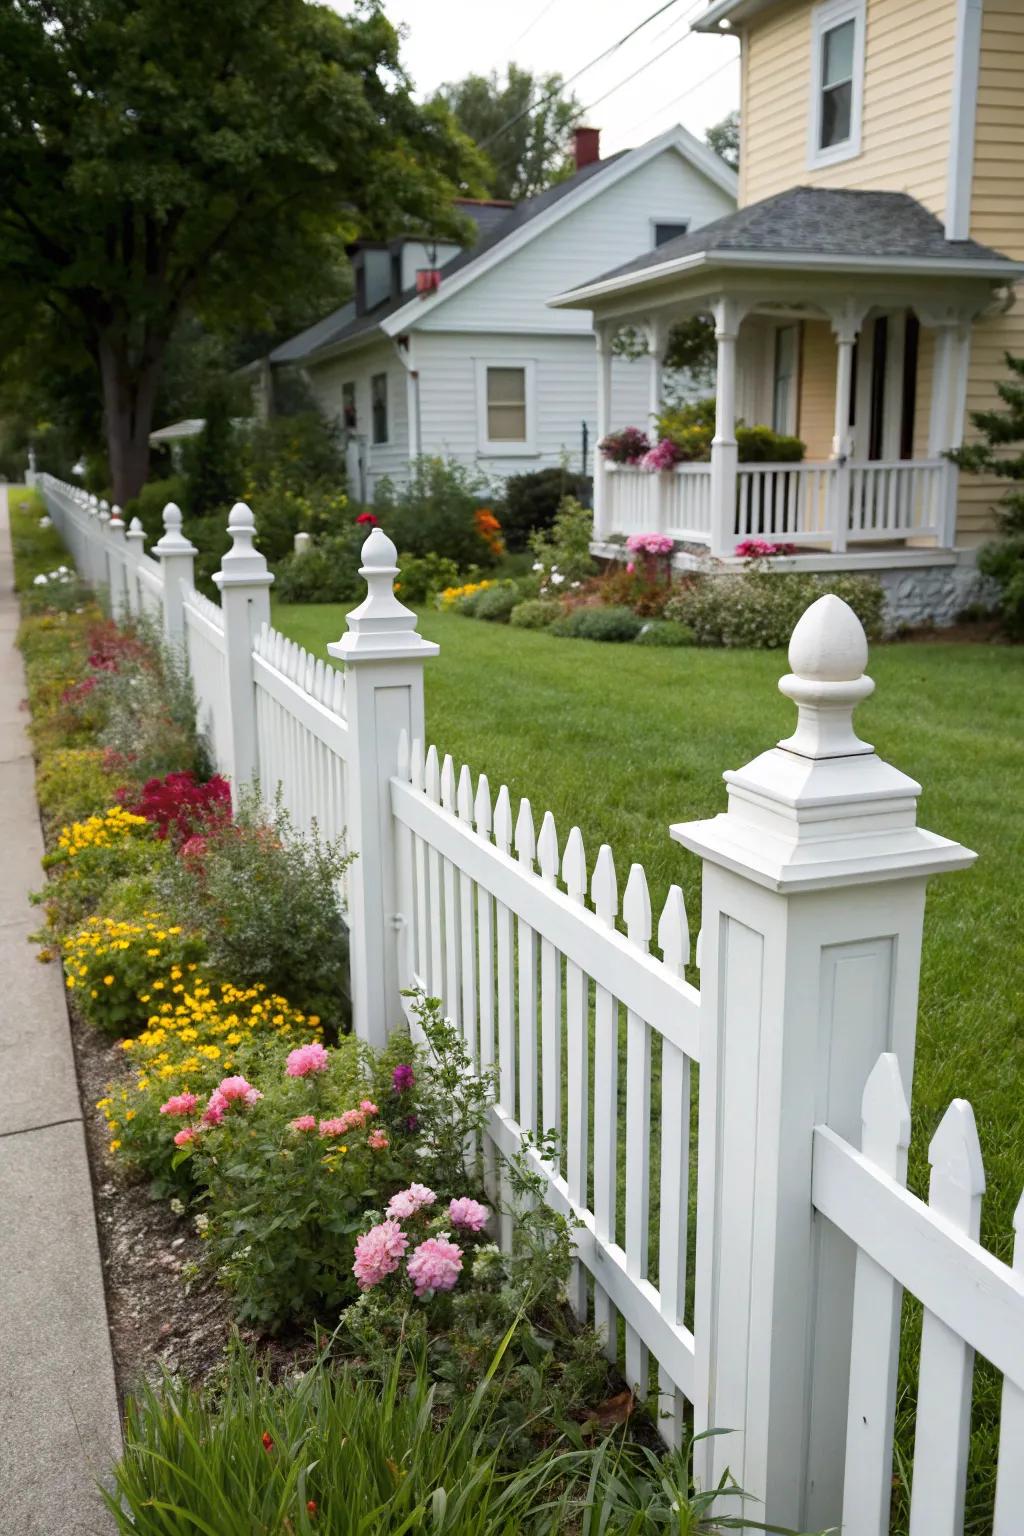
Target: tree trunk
x,y
129,394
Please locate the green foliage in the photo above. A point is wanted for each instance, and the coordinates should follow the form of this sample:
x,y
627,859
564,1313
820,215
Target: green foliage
x,y
435,513
148,710
71,783
212,459
328,572
535,613
422,577
452,1095
665,632
759,608
266,897
692,349
532,500
691,427
564,550
1002,432
522,124
148,505
724,138
495,605
760,445
609,624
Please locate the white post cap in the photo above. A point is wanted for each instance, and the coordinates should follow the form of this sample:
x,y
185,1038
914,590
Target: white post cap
x,y
381,628
173,541
243,562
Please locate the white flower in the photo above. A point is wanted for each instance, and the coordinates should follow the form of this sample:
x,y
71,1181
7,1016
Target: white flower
x,y
557,578
575,584
178,1206
39,581
202,1222
44,522
538,565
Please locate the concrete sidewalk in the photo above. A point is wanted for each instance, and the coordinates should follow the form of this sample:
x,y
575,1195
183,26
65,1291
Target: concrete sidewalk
x,y
59,1424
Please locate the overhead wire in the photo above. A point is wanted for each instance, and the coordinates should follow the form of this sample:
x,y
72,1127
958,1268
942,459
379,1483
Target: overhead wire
x,y
673,100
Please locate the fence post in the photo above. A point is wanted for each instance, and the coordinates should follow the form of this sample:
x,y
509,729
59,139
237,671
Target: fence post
x,y
244,583
177,563
383,656
813,902
135,546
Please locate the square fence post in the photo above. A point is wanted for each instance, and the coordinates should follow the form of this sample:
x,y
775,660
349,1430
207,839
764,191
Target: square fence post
x,y
813,903
117,556
135,542
177,563
383,656
244,583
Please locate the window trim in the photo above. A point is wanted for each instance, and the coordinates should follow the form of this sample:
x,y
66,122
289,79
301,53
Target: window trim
x,y
383,442
503,449
668,218
824,18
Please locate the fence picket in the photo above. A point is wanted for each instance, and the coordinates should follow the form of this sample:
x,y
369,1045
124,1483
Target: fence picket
x,y
942,1434
550,995
605,896
874,1354
674,1188
452,968
435,919
467,943
636,912
577,1024
526,848
1010,1466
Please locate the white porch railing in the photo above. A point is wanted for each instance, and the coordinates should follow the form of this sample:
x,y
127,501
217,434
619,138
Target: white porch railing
x,y
818,505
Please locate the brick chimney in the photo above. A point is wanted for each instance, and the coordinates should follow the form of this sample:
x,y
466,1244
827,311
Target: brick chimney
x,y
586,143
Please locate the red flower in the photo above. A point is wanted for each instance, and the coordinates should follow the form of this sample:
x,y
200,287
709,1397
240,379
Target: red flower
x,y
183,808
367,519
311,1506
268,1444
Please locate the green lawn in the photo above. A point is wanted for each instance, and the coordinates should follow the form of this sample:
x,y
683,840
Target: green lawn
x,y
624,740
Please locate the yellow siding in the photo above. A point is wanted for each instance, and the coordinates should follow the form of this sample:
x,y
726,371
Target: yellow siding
x,y
997,219
908,79
817,388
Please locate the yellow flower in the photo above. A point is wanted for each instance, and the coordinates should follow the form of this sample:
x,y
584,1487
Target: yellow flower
x,y
115,1146
108,981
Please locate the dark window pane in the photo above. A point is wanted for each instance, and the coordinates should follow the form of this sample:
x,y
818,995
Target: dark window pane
x,y
837,63
379,406
666,232
836,104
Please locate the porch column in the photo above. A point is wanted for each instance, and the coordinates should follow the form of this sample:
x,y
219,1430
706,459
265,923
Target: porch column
x,y
602,511
952,332
727,313
846,324
657,339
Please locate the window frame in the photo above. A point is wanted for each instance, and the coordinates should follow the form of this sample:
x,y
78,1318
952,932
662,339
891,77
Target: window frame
x,y
385,441
824,19
503,448
348,386
668,218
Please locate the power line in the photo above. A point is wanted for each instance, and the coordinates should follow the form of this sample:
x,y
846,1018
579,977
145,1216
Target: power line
x,y
656,58
673,100
550,4
535,106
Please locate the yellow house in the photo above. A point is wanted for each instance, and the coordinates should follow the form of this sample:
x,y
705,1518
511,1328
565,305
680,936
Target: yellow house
x,y
863,294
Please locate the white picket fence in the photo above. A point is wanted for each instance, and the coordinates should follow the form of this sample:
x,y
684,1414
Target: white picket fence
x,y
803,1030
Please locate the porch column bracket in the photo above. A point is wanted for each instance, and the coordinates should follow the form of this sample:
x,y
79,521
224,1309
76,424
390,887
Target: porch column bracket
x,y
951,325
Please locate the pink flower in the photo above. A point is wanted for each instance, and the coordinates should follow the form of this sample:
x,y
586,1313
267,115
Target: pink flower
x,y
235,1089
468,1213
377,1140
368,1107
402,1077
435,1265
377,1254
213,1114
180,1104
408,1201
304,1123
306,1059
630,566
351,1120
649,543
183,1137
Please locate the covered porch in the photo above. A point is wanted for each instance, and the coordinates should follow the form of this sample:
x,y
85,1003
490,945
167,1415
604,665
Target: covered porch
x,y
862,356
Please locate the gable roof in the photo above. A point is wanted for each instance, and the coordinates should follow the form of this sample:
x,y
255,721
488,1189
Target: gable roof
x,y
815,226
499,237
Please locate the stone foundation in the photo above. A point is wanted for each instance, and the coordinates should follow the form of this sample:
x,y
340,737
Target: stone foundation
x,y
931,594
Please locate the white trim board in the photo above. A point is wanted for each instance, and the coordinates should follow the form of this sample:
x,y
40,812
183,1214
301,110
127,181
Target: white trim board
x,y
963,112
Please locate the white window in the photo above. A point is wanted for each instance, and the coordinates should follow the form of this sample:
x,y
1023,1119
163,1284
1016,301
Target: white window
x,y
379,407
837,81
787,349
505,407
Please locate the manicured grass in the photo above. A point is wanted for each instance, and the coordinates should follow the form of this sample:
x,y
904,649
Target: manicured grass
x,y
624,740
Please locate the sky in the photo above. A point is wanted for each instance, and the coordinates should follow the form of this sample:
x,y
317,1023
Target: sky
x,y
682,76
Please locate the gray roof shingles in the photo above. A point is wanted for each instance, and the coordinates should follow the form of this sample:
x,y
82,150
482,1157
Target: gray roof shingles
x,y
820,221
493,225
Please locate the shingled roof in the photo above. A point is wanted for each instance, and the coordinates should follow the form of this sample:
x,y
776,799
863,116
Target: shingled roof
x,y
819,221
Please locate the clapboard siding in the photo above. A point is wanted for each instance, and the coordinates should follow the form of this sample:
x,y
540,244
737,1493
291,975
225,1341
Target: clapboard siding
x,y
908,77
614,226
326,380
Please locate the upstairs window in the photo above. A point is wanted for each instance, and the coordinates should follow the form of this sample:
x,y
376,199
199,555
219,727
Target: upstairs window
x,y
667,230
379,407
837,81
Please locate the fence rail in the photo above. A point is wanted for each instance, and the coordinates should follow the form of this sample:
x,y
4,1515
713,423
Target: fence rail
x,y
798,1243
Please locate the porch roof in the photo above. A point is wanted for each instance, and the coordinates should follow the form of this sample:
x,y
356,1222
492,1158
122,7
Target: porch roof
x,y
823,229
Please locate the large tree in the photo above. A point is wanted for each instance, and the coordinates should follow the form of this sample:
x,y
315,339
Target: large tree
x,y
724,139
159,157
523,124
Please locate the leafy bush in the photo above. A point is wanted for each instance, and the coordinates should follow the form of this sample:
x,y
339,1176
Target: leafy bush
x,y
148,505
213,458
70,783
328,572
562,555
116,969
610,624
436,513
531,501
535,613
303,452
89,857
691,427
1002,432
759,608
267,899
496,604
422,577
149,717
281,511
179,807
665,632
463,598
760,445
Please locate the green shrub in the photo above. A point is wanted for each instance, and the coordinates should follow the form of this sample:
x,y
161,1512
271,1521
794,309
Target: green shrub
x,y
213,458
328,572
665,632
562,554
436,513
303,452
535,613
495,605
148,505
266,897
1003,563
759,609
761,445
611,624
422,577
692,426
531,501
71,784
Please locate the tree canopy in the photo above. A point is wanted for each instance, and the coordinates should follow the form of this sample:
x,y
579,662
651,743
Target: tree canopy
x,y
523,125
161,157
724,139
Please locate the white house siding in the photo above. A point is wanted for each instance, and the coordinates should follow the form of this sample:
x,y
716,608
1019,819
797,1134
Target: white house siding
x,y
326,380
